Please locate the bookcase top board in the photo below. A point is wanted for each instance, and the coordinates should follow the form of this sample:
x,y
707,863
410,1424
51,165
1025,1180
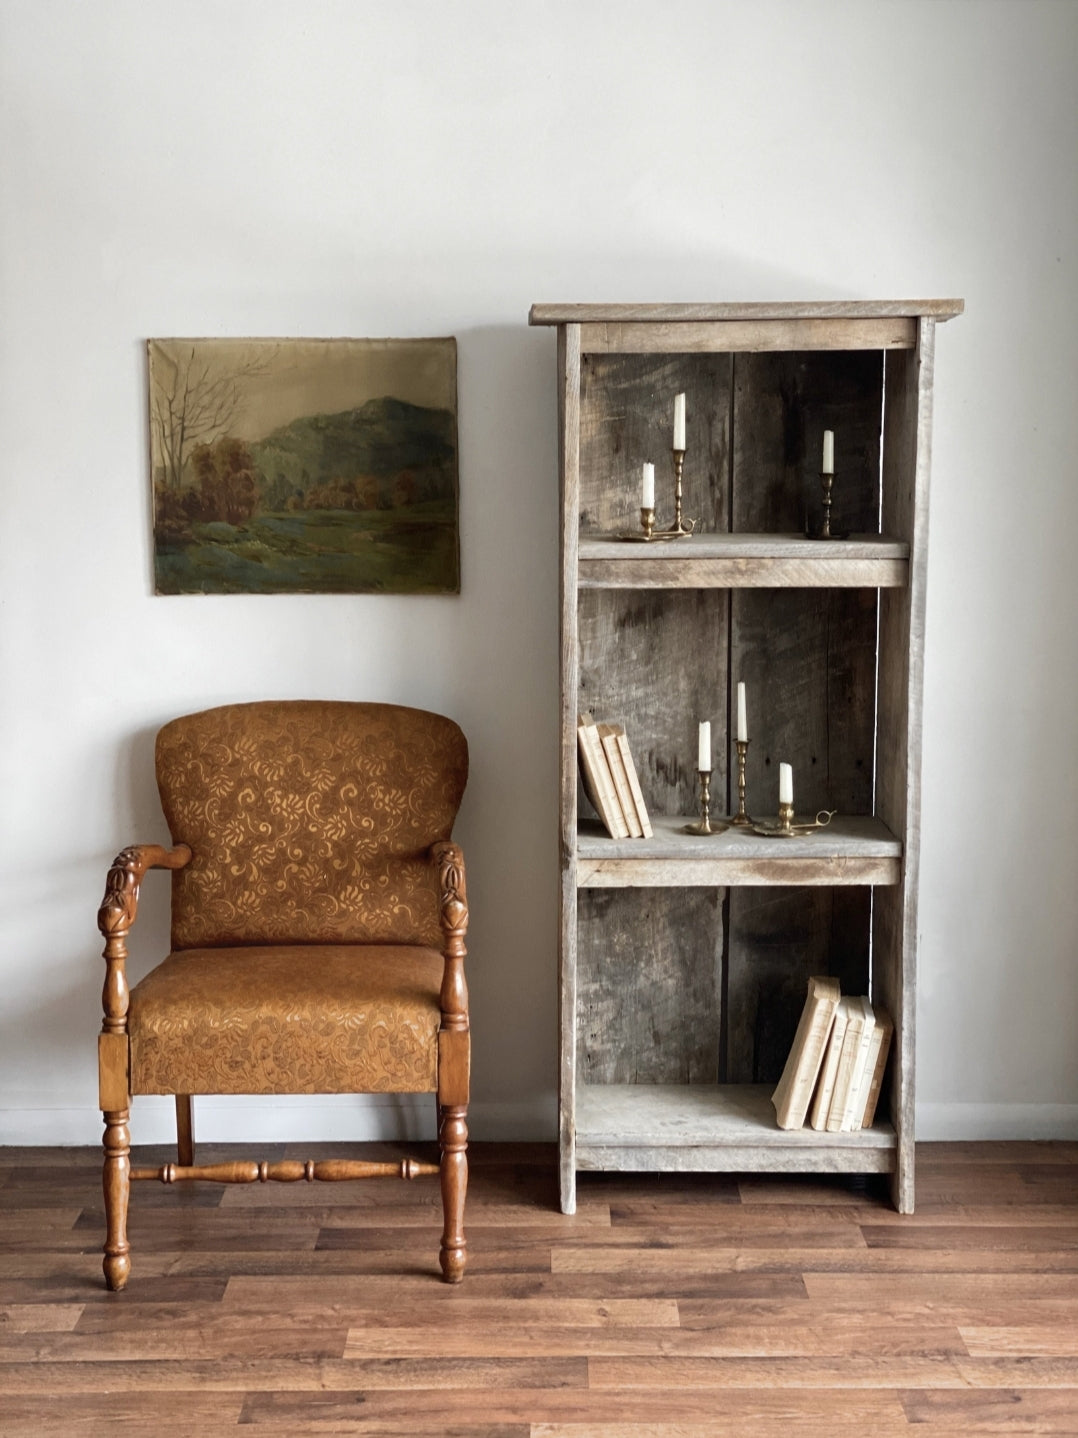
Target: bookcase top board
x,y
568,314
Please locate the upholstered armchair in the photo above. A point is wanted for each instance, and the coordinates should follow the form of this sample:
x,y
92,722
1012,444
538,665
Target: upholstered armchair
x,y
318,922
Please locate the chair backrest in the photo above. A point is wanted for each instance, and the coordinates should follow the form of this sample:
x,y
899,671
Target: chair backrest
x,y
309,821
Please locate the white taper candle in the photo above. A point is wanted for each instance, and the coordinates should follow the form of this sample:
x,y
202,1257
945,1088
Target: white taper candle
x,y
786,784
647,497
742,714
827,465
679,421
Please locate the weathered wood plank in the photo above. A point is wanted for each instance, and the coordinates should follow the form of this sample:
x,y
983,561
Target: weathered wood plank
x,y
569,474
648,986
730,336
656,663
555,314
808,661
626,418
906,466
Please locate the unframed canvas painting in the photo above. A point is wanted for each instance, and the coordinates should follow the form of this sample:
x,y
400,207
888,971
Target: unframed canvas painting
x,y
304,466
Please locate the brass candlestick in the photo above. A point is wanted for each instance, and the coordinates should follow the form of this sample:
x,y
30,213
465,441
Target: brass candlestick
x,y
647,522
703,824
741,818
786,819
680,529
826,481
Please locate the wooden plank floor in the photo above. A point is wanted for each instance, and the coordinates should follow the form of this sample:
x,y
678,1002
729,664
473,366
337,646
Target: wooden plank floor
x,y
667,1307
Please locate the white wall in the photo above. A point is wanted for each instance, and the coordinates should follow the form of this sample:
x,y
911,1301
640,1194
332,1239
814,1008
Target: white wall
x,y
247,167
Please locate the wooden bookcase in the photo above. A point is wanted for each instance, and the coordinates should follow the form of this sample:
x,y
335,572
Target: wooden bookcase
x,y
684,959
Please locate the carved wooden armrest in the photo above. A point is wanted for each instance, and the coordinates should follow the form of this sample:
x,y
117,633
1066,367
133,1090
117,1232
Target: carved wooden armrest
x,y
117,913
453,905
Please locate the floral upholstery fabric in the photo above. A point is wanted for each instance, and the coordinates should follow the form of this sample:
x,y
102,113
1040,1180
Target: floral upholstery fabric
x,y
309,821
296,1019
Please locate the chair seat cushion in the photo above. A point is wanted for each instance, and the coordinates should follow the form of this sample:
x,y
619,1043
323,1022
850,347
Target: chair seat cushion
x,y
300,1018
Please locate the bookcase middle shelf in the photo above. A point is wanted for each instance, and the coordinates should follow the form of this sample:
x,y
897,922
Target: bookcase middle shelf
x,y
744,561
851,850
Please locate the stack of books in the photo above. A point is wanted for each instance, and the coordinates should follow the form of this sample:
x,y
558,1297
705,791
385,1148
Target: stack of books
x,y
836,1063
610,779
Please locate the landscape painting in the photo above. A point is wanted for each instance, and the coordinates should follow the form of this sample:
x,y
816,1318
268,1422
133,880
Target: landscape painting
x,y
304,466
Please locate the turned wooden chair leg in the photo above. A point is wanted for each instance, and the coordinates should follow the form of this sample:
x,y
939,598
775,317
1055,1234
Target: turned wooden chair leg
x,y
117,1186
185,1131
453,1141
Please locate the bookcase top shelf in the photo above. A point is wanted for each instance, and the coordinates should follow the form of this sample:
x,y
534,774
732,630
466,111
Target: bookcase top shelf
x,y
746,561
851,850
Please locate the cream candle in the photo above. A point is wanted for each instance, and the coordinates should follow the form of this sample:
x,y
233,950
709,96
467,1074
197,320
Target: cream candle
x,y
703,760
647,497
742,714
679,421
827,465
786,784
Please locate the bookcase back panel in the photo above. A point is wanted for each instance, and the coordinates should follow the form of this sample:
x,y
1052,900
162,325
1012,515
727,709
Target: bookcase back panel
x,y
782,404
654,660
627,417
778,938
808,661
648,985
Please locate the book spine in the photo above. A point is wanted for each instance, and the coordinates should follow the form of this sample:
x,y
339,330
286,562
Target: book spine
x,y
856,1092
826,1087
621,784
872,1098
850,1043
634,786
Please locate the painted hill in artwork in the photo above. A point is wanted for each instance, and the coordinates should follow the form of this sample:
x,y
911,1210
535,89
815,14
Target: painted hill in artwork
x,y
379,441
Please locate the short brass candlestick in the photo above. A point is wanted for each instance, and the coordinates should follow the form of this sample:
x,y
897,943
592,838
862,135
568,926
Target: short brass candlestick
x,y
680,529
703,824
741,817
647,522
786,818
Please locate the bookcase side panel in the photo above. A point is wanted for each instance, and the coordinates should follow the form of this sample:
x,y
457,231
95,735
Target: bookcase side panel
x,y
808,660
655,661
648,985
627,406
569,475
907,454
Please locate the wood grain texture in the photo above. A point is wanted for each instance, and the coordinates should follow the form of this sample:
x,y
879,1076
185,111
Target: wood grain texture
x,y
626,418
557,314
569,687
731,336
671,1305
649,986
808,661
906,473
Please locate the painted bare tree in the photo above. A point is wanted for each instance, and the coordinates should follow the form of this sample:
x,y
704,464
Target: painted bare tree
x,y
192,401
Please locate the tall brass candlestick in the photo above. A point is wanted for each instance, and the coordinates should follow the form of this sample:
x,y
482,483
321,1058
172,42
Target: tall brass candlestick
x,y
741,817
679,529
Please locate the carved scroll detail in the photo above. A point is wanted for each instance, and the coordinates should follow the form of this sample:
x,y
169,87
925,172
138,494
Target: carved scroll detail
x,y
117,914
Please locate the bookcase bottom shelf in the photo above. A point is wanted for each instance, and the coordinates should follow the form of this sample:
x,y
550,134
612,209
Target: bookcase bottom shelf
x,y
671,1128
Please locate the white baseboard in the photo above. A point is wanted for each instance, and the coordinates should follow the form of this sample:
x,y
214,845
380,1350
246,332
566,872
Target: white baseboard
x,y
321,1118
963,1122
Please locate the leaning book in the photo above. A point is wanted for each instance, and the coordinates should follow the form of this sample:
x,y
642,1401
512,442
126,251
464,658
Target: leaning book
x,y
794,1091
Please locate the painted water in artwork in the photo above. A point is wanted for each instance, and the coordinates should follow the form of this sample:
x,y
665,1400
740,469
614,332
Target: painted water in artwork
x,y
304,466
